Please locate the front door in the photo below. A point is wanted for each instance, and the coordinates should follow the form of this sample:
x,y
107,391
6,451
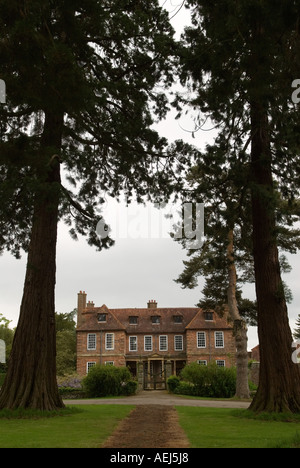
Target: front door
x,y
154,375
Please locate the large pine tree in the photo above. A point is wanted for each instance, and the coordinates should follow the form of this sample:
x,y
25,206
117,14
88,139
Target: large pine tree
x,y
226,253
84,80
240,61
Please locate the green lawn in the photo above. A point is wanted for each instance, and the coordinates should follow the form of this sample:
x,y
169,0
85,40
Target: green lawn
x,y
92,424
87,428
219,428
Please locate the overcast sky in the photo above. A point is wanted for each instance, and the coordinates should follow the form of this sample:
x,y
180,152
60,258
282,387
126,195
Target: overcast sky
x,y
135,269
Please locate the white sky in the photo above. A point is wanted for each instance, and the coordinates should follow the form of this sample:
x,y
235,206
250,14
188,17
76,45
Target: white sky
x,y
134,270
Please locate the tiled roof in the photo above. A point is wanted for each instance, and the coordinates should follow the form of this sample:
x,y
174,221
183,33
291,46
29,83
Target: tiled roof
x,y
199,322
118,319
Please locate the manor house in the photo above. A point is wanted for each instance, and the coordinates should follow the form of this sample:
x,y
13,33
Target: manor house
x,y
153,342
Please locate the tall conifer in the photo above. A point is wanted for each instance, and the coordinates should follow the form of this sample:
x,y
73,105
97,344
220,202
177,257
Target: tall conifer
x,y
240,59
84,80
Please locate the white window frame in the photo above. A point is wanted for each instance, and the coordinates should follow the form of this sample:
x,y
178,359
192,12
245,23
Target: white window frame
x,y
148,346
221,362
109,341
91,342
219,341
201,338
89,366
133,344
202,362
109,363
178,345
163,343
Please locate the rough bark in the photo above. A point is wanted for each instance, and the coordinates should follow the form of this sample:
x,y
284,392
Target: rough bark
x,y
279,377
31,377
240,327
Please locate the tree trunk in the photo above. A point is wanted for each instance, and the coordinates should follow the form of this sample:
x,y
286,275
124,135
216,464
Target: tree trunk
x,y
279,377
241,341
240,328
31,377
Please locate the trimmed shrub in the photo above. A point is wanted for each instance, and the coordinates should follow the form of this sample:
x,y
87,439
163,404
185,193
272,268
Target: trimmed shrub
x,y
173,382
186,388
209,381
130,388
106,380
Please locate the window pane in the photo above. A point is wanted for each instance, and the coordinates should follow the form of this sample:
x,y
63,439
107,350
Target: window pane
x,y
109,341
220,363
133,343
208,316
201,340
133,320
177,318
219,339
155,319
148,343
163,343
91,342
89,366
101,317
178,343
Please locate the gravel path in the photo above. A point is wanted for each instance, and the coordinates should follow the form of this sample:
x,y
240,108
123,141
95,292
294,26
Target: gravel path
x,y
153,423
161,398
152,426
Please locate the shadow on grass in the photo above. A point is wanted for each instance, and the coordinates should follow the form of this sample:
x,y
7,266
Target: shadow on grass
x,y
23,413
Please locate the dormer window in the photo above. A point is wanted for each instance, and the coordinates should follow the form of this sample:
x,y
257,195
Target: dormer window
x,y
209,316
177,318
133,320
101,318
155,319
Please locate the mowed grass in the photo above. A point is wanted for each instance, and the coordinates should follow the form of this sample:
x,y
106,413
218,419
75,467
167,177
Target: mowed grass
x,y
221,428
87,427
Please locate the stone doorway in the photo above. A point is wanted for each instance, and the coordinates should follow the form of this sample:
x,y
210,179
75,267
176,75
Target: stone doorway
x,y
155,375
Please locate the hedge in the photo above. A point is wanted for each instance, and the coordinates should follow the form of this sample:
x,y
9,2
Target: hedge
x,y
108,380
205,381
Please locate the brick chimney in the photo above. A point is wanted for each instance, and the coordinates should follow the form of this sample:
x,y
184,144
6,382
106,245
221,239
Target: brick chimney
x,y
81,305
152,304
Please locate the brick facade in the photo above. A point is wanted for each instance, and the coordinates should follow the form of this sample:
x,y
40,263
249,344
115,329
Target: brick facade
x,y
151,341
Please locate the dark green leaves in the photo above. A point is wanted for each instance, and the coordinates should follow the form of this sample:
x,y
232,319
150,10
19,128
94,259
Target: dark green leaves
x,y
100,64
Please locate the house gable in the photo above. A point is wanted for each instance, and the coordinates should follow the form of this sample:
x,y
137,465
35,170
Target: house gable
x,y
200,321
99,318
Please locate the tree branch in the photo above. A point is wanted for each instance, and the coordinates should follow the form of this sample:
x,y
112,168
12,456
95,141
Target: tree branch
x,y
75,204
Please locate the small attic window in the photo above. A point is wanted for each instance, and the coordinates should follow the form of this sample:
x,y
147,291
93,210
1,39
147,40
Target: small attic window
x,y
155,319
177,318
133,320
101,318
209,316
